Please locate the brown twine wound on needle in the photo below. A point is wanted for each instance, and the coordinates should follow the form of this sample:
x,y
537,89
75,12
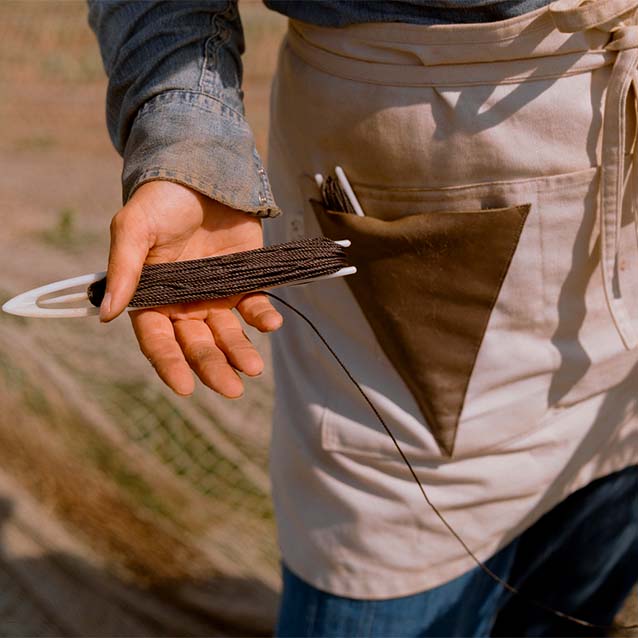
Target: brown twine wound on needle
x,y
233,274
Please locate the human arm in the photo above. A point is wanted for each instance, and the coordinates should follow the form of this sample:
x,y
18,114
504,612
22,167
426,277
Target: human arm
x,y
174,112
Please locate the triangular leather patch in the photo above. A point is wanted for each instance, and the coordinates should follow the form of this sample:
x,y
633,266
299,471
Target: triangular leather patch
x,y
427,284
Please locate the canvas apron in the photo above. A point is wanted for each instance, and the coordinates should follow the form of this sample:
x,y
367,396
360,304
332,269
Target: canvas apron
x,y
493,318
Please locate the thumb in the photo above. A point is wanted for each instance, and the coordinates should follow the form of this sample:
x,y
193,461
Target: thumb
x,y
130,244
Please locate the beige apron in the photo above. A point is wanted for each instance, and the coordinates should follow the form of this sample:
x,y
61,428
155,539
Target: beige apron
x,y
493,318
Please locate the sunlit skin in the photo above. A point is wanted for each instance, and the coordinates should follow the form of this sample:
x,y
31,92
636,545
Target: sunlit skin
x,y
164,222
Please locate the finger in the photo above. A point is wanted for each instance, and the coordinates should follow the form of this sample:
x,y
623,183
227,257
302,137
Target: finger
x,y
129,248
155,334
206,359
233,342
259,313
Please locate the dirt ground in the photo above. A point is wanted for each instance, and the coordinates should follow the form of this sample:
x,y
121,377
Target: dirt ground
x,y
115,496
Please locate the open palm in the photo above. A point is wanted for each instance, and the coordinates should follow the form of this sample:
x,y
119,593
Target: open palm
x,y
165,222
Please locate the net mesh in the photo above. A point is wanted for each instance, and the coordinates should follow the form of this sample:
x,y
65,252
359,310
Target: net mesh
x,y
117,496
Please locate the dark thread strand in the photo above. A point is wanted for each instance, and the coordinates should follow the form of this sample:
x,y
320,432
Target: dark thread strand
x,y
495,577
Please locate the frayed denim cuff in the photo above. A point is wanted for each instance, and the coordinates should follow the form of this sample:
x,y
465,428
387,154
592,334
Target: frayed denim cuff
x,y
196,140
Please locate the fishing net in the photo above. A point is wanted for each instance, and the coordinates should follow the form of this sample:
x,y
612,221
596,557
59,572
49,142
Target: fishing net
x,y
124,509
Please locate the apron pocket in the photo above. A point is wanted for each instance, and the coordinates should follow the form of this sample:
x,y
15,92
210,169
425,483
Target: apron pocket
x,y
427,284
545,344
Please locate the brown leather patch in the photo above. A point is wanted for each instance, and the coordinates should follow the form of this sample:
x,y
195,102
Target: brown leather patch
x,y
427,284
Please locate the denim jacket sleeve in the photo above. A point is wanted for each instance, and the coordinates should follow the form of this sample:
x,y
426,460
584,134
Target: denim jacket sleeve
x,y
174,100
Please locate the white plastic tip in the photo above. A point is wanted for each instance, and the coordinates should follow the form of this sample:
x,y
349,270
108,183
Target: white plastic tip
x,y
11,306
31,304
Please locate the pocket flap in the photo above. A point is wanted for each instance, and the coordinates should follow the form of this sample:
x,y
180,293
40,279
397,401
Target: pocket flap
x,y
427,284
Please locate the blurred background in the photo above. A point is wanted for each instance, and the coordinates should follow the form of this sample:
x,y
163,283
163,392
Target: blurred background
x,y
124,510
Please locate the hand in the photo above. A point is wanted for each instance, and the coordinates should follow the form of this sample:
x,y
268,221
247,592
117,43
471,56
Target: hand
x,y
164,222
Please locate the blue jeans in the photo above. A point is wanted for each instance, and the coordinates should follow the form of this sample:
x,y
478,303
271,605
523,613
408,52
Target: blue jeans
x,y
580,558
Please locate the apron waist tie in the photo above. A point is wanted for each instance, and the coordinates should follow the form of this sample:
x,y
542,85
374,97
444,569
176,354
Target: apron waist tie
x,y
571,16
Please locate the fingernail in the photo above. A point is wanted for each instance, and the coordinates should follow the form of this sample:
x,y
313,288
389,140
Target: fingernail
x,y
105,307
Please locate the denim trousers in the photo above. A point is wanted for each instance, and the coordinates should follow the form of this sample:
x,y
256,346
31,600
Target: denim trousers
x,y
580,558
